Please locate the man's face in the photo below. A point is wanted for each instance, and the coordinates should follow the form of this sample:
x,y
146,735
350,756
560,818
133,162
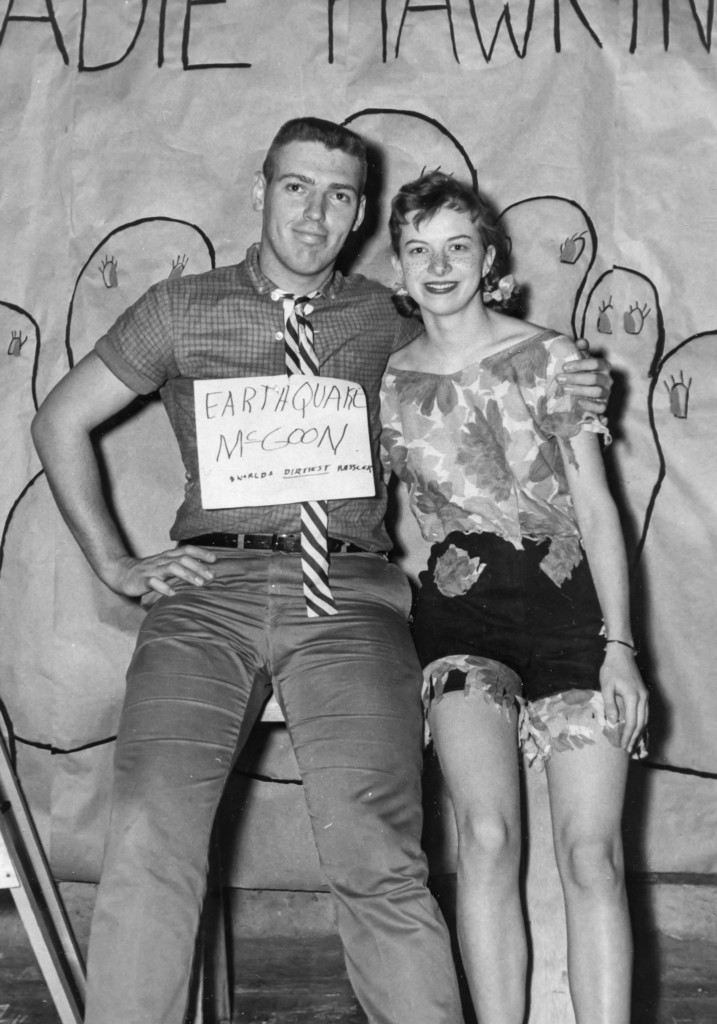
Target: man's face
x,y
309,208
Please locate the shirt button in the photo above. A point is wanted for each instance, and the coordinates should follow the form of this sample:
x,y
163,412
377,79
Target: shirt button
x,y
275,296
279,336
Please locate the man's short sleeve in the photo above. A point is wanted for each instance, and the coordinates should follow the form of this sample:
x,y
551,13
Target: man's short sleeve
x,y
406,329
138,347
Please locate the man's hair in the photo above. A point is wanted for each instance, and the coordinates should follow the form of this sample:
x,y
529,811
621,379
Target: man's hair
x,y
313,129
420,199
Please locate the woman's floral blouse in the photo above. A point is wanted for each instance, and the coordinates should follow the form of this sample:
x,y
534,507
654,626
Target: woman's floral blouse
x,y
482,449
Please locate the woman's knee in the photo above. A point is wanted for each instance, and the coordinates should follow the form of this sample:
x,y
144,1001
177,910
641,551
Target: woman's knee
x,y
489,840
592,864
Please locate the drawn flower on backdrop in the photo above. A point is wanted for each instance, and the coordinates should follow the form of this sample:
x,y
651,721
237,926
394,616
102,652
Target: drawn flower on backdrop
x,y
604,320
634,318
108,269
456,572
16,343
178,266
679,393
572,248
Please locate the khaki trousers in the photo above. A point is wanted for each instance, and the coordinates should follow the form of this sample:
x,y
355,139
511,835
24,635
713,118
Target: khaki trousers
x,y
349,687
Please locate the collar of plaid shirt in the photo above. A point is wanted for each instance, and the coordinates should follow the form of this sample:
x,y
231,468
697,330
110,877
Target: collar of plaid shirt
x,y
330,289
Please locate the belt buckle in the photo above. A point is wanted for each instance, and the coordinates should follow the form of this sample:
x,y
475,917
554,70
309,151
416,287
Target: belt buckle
x,y
275,543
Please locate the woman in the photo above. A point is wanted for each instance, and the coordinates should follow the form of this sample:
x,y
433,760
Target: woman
x,y
519,634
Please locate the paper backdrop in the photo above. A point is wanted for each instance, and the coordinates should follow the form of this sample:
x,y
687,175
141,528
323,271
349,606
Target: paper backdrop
x,y
130,134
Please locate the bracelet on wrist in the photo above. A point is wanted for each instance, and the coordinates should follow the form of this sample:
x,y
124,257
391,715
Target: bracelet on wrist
x,y
623,643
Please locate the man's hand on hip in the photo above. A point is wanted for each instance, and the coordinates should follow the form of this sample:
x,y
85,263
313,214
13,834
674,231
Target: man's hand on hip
x,y
588,378
135,577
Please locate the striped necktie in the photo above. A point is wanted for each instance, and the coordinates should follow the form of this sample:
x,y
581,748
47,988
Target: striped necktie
x,y
301,358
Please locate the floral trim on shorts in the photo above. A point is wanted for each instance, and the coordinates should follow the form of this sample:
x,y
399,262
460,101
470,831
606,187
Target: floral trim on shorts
x,y
565,721
562,721
456,572
494,682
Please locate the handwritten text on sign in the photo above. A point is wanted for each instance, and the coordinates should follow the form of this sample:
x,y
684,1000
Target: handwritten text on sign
x,y
274,440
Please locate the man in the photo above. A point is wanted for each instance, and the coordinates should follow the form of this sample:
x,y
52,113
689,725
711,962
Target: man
x,y
233,618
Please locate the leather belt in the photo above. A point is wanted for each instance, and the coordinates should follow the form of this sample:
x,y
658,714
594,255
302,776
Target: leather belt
x,y
289,543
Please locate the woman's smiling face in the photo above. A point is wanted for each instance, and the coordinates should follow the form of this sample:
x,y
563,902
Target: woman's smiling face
x,y
443,260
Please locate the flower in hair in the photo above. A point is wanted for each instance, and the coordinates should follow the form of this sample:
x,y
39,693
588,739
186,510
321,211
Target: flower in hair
x,y
502,291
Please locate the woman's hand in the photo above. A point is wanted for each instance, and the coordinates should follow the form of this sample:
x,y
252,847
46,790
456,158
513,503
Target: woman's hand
x,y
625,695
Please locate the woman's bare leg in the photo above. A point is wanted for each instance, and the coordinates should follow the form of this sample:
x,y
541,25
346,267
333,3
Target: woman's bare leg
x,y
587,788
476,746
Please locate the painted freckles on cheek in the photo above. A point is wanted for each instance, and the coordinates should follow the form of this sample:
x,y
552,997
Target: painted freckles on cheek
x,y
465,259
412,266
420,264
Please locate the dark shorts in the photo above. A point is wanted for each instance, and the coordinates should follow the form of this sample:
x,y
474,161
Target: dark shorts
x,y
511,613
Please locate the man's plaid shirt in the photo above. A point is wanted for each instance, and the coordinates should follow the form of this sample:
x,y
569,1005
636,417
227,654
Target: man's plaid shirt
x,y
225,323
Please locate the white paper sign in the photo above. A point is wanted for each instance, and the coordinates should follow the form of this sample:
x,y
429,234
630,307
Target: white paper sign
x,y
274,440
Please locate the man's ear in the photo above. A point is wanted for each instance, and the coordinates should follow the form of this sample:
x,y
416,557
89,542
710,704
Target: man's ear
x,y
360,212
488,259
257,192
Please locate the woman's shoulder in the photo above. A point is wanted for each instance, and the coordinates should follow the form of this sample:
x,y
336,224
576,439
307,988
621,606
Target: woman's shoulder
x,y
410,356
522,337
510,331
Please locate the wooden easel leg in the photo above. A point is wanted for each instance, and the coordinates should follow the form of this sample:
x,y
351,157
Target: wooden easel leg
x,y
50,956
25,872
36,862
